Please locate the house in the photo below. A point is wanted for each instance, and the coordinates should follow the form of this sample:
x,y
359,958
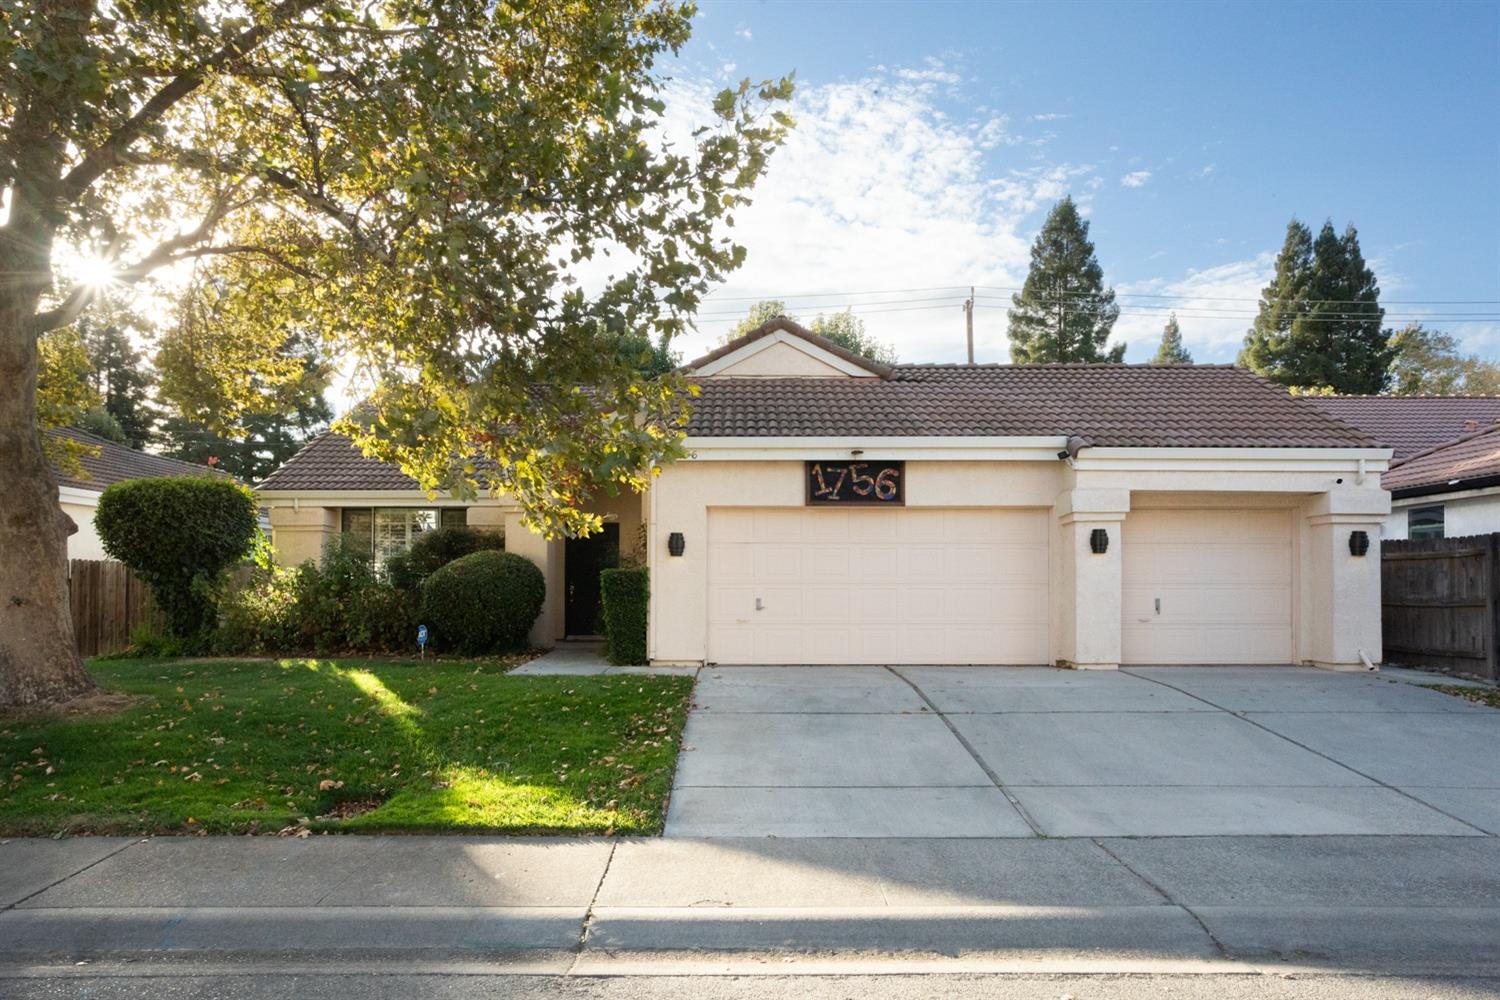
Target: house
x,y
104,464
1442,448
836,510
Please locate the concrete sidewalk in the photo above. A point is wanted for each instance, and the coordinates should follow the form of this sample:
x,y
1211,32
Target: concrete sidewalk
x,y
1347,904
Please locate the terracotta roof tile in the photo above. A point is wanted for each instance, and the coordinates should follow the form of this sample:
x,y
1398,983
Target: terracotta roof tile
x,y
1473,456
331,462
1173,406
1411,424
115,463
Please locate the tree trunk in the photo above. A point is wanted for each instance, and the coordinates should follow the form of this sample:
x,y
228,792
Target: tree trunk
x,y
39,660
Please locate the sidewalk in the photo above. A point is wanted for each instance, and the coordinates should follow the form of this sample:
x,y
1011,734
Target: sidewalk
x,y
1348,904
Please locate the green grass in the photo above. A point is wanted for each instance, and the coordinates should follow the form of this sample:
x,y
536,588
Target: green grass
x,y
1480,695
360,745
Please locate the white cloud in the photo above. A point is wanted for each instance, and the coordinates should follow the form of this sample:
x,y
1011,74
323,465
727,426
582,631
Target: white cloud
x,y
1049,117
878,190
744,33
1135,179
1204,173
1214,307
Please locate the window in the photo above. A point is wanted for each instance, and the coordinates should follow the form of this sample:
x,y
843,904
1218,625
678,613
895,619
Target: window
x,y
397,527
454,517
1424,522
359,524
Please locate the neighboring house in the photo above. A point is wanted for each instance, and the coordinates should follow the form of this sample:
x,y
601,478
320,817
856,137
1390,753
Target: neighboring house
x,y
1448,491
835,510
1438,483
79,494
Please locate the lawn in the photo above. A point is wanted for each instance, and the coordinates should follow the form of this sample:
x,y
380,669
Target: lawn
x,y
359,745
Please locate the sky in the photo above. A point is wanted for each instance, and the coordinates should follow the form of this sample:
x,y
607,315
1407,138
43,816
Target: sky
x,y
933,137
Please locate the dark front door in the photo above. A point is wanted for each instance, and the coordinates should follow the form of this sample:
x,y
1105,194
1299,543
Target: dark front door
x,y
583,558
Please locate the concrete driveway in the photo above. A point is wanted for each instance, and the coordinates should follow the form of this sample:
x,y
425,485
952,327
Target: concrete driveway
x,y
1030,751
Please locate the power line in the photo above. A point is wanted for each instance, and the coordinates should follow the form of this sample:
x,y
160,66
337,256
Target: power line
x,y
958,290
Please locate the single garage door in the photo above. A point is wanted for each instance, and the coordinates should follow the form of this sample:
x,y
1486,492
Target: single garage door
x,y
905,585
1207,586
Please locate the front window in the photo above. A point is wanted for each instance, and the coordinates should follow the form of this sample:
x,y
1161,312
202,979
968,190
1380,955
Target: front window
x,y
1424,522
397,527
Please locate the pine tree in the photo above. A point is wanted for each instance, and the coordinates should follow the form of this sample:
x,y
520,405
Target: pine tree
x,y
1171,351
1319,323
122,379
1063,313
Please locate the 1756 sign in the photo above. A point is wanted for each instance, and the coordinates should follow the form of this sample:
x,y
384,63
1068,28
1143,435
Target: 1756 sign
x,y
852,483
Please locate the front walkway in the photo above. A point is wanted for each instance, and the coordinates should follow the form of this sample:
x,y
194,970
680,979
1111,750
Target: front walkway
x,y
583,658
1027,751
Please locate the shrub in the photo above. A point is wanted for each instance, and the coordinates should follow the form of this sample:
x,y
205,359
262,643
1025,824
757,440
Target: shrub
x,y
482,602
179,536
624,592
435,549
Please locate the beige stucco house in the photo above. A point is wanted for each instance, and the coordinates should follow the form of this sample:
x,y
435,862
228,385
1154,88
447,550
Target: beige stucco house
x,y
835,510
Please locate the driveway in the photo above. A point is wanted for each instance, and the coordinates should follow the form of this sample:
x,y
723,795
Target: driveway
x,y
1030,751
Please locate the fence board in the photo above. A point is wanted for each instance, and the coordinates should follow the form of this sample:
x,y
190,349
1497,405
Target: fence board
x,y
1439,602
108,602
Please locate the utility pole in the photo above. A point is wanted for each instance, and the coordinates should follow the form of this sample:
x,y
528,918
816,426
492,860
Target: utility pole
x,y
969,322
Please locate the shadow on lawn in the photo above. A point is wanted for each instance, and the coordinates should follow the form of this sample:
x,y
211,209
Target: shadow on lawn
x,y
376,746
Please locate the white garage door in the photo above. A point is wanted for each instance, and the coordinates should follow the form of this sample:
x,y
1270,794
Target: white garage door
x,y
1207,586
905,585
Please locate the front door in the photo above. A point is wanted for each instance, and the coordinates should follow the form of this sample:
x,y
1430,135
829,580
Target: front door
x,y
583,558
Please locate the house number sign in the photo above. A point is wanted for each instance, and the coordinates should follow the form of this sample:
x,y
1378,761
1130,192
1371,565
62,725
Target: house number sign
x,y
856,483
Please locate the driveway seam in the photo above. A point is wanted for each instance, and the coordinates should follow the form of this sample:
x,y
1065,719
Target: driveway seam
x,y
1317,753
989,772
123,847
1218,945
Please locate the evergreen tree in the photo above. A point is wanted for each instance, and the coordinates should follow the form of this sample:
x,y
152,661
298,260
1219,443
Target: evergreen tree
x,y
1171,351
1063,313
121,375
1319,323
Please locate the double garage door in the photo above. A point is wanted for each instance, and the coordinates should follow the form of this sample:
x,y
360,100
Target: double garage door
x,y
970,585
902,585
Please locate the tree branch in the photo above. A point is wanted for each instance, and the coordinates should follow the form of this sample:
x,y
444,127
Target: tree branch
x,y
108,153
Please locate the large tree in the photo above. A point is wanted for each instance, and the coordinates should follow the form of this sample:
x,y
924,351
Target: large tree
x,y
1170,351
1319,325
843,328
121,375
1063,312
1429,363
412,182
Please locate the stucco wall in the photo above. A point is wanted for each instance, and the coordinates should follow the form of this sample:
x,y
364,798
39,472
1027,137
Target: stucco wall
x,y
779,361
84,543
1463,513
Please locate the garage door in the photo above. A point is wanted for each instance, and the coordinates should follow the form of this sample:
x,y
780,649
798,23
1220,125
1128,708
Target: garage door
x,y
1207,586
909,585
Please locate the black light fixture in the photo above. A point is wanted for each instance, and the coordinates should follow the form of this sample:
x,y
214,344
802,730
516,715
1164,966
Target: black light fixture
x,y
1099,541
1359,543
675,543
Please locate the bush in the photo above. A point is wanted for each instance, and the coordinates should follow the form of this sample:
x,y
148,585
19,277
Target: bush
x,y
625,592
338,606
435,549
179,536
482,602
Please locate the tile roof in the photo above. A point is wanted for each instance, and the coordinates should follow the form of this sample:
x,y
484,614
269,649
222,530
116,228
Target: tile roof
x,y
776,323
1411,424
1473,456
331,462
116,463
1172,406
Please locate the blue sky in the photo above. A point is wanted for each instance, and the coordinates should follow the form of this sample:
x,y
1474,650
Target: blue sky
x,y
933,137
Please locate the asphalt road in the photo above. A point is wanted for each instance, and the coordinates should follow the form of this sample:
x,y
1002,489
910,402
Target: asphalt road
x,y
262,986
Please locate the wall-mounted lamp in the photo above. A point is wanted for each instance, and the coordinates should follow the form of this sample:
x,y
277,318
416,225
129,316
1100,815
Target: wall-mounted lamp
x,y
675,543
1099,541
1359,543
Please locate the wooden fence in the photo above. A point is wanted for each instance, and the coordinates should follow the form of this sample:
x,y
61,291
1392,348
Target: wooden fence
x,y
108,602
1439,601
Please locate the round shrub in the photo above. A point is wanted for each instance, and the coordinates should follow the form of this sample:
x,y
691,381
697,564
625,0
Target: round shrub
x,y
482,602
179,535
433,550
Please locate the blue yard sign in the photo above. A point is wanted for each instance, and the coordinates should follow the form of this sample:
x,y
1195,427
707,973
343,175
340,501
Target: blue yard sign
x,y
422,638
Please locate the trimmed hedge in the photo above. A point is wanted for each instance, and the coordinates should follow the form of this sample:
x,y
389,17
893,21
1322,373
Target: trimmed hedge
x,y
435,549
483,602
179,535
625,592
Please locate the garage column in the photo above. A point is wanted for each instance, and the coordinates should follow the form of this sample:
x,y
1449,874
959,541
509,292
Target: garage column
x,y
1340,617
547,554
1086,603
